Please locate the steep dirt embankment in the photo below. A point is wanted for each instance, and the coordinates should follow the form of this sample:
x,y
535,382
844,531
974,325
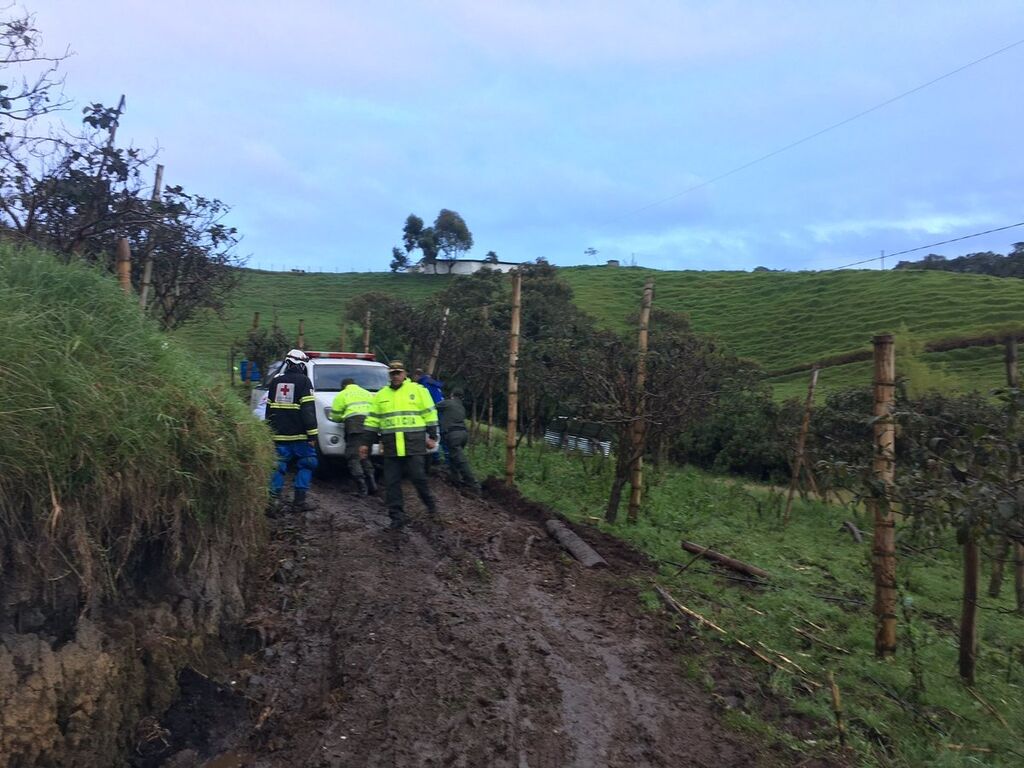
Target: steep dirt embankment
x,y
473,640
74,692
131,499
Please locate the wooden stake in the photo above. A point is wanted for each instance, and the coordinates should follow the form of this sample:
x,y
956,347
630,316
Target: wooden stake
x,y
124,264
636,479
255,320
1013,381
341,335
147,271
969,611
837,709
436,351
801,440
300,341
513,380
366,332
490,410
884,553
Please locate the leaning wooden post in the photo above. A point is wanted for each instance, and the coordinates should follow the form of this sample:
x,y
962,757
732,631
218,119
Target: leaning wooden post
x,y
147,271
513,380
883,468
366,332
436,351
1002,554
636,476
1013,382
124,264
801,441
969,610
300,341
255,320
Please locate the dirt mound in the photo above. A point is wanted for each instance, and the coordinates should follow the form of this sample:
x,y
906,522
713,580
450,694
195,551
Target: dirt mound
x,y
468,640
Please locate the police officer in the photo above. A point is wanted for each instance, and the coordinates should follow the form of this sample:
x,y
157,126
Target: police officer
x,y
291,414
451,414
402,416
350,406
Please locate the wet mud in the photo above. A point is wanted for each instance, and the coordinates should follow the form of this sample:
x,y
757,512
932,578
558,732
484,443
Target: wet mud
x,y
470,639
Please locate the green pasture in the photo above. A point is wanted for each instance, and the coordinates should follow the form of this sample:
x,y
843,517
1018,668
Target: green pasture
x,y
317,298
778,319
907,711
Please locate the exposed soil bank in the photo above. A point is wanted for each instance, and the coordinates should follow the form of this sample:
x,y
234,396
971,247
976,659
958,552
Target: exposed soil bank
x,y
75,690
471,640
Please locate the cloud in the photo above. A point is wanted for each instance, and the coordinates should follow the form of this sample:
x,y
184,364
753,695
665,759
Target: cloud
x,y
929,224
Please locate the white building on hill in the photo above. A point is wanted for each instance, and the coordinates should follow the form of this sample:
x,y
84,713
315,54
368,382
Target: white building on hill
x,y
462,266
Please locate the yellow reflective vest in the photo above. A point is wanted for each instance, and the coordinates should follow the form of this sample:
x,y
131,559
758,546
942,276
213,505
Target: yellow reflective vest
x,y
349,405
402,418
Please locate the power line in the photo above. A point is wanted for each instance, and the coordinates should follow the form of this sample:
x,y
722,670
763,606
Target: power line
x,y
832,127
923,247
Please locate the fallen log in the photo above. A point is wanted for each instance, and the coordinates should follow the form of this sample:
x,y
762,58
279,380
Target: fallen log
x,y
577,547
855,532
728,562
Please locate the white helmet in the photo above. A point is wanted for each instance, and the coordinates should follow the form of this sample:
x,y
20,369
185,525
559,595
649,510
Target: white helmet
x,y
296,358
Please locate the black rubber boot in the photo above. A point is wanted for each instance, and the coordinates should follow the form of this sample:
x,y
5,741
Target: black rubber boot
x,y
301,503
361,486
371,483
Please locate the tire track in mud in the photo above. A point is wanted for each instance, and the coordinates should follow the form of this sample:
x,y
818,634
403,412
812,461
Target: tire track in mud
x,y
471,640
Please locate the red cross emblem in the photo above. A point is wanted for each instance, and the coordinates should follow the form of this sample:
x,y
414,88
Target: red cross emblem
x,y
284,390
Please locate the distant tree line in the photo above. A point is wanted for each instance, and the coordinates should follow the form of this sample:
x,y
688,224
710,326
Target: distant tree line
x,y
984,263
76,192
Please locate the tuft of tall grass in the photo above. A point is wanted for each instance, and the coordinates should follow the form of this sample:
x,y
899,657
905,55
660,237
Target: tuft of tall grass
x,y
118,456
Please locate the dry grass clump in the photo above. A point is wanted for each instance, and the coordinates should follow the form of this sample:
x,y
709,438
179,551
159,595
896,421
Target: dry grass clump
x,y
117,455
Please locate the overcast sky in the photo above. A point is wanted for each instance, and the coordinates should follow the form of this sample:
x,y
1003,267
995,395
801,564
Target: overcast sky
x,y
554,127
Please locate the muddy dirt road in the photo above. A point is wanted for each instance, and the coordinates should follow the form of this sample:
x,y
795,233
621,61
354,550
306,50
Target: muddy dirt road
x,y
473,640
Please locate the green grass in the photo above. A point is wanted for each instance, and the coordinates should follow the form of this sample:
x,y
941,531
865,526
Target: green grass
x,y
811,557
779,319
117,450
317,298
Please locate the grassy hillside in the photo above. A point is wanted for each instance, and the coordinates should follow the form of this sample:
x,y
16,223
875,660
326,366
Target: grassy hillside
x,y
777,318
318,298
782,319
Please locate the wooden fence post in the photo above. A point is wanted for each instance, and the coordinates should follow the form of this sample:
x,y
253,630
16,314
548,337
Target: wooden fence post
x,y
513,380
1003,554
124,264
436,351
255,320
883,466
341,335
147,271
636,477
300,341
366,332
801,442
969,610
